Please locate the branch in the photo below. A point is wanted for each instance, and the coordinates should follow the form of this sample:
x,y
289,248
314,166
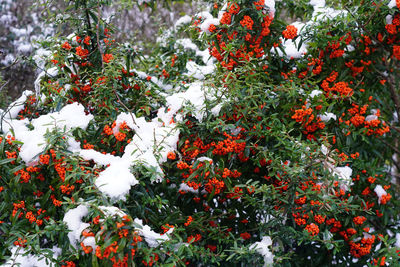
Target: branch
x,y
4,85
391,146
395,128
372,15
129,110
130,113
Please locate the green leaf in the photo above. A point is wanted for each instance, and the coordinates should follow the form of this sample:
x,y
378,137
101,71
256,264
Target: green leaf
x,y
95,262
5,161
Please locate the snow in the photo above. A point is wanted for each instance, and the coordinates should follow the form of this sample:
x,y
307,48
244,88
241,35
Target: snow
x,y
270,4
380,192
317,3
52,72
202,159
116,180
21,259
152,238
34,141
196,95
155,80
24,48
112,211
140,2
150,144
73,219
89,241
152,140
206,24
6,18
262,248
9,58
324,150
292,48
315,93
19,32
17,106
188,44
321,12
182,21
397,244
204,15
373,115
41,57
389,19
222,11
392,4
371,118
327,116
350,48
344,174
197,71
184,187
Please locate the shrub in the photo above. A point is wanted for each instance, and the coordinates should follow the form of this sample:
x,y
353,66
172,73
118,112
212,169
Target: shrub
x,y
240,140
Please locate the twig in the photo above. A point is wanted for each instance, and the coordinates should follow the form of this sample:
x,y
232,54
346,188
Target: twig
x,y
358,84
133,119
9,66
372,15
391,146
129,110
4,85
397,168
366,23
395,128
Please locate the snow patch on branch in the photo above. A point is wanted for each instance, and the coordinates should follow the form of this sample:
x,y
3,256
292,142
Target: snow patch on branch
x,y
150,144
73,219
21,259
262,248
34,141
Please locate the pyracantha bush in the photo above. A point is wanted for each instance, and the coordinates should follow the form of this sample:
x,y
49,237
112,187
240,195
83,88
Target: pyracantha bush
x,y
240,139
